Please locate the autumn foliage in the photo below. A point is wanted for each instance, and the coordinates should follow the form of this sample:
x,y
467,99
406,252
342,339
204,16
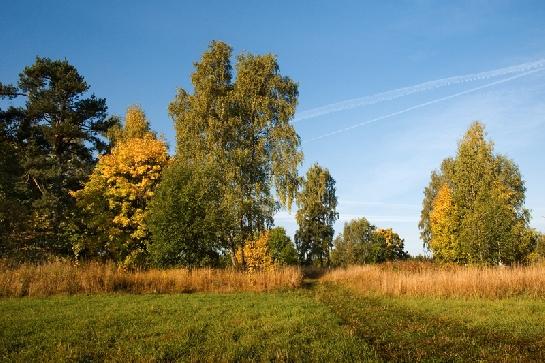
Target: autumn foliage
x,y
115,198
473,210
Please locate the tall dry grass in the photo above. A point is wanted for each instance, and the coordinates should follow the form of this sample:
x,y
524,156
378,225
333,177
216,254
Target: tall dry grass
x,y
89,278
428,279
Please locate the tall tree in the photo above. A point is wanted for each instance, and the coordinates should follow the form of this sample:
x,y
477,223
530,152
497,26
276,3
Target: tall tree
x,y
56,136
316,215
242,128
473,210
115,199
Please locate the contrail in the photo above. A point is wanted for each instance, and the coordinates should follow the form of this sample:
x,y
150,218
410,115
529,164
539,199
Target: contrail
x,y
421,87
437,100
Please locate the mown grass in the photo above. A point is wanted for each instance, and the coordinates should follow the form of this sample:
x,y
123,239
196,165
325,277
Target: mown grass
x,y
413,328
283,326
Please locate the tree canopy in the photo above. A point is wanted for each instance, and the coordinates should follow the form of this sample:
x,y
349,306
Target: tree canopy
x,y
52,142
361,242
115,199
316,215
241,127
473,209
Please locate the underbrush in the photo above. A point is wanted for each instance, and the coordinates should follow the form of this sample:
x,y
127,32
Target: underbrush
x,y
94,277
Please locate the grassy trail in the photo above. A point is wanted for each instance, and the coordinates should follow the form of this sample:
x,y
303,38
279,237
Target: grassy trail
x,y
431,329
320,322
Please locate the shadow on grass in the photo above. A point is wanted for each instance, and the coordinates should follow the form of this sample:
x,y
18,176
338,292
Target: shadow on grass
x,y
311,276
397,333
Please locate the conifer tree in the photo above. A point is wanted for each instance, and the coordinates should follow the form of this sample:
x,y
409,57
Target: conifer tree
x,y
52,141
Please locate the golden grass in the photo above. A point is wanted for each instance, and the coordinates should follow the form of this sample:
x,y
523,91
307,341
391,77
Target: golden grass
x,y
427,279
89,278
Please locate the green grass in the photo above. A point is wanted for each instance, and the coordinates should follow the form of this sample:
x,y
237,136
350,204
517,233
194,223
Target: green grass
x,y
199,327
442,329
326,322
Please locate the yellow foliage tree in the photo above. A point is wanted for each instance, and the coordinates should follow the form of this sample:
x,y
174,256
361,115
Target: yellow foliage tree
x,y
442,225
255,254
117,193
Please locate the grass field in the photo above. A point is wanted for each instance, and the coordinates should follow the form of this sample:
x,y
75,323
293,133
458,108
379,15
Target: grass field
x,y
327,319
287,326
442,329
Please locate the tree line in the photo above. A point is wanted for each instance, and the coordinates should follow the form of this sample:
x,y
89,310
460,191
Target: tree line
x,y
77,182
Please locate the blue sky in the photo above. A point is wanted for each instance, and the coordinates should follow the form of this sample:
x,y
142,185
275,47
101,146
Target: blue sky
x,y
141,51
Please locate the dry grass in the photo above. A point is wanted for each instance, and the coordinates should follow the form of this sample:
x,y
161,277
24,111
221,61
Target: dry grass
x,y
66,278
427,279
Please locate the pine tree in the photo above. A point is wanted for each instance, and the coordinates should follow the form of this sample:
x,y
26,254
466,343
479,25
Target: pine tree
x,y
54,138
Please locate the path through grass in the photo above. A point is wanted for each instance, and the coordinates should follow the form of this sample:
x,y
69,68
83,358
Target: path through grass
x,y
322,322
434,329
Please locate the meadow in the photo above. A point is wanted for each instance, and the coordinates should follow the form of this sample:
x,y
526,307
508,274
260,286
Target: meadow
x,y
403,311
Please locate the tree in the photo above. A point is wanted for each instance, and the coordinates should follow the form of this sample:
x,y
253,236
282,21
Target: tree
x,y
14,210
473,210
443,226
281,247
393,245
361,242
55,138
186,219
115,199
241,128
256,253
316,215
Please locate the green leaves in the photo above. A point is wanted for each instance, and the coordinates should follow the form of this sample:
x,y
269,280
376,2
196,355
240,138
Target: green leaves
x,y
55,138
473,210
361,242
316,215
241,128
186,220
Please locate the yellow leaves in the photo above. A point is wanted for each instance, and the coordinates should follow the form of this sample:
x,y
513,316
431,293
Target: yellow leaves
x,y
136,124
125,179
442,225
131,172
255,254
387,234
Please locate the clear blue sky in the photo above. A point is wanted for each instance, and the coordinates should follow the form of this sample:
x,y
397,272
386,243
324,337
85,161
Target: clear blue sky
x,y
141,51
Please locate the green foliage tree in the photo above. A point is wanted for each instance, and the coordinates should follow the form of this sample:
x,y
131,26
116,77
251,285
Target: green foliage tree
x,y
115,200
14,205
473,209
316,215
54,139
281,247
186,218
540,245
361,242
241,128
